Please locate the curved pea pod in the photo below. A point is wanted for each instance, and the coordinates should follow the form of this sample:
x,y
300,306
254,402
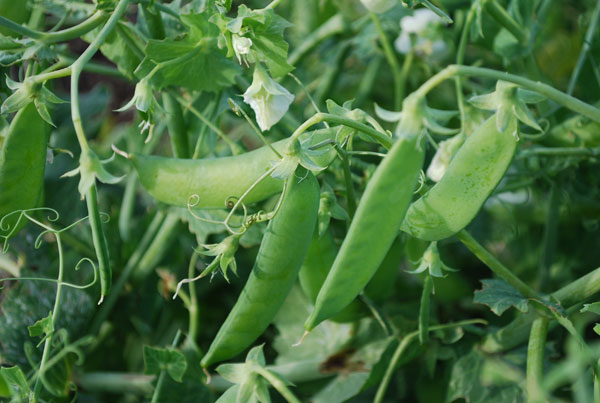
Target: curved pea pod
x,y
22,166
276,268
374,227
213,180
471,177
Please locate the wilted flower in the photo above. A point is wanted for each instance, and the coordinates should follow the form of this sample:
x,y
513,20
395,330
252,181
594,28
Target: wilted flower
x,y
431,261
378,6
144,101
91,167
422,24
269,100
241,47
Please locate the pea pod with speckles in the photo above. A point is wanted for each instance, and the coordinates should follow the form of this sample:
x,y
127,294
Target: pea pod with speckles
x,y
471,177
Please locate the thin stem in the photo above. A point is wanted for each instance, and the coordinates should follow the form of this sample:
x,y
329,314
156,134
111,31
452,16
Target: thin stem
x,y
329,28
177,127
460,59
503,18
544,89
392,61
587,44
495,265
404,344
535,359
278,384
310,98
262,138
193,308
206,121
379,137
549,242
272,4
55,310
350,195
424,309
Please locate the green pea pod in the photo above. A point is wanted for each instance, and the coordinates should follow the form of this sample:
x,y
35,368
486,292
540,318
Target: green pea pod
x,y
374,227
471,177
174,181
22,166
276,268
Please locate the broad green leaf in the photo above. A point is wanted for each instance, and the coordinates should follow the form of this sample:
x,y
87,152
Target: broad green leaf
x,y
593,307
16,380
464,379
500,296
158,359
195,62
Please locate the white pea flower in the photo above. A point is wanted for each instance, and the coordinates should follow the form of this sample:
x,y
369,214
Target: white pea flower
x,y
269,100
378,6
241,46
422,25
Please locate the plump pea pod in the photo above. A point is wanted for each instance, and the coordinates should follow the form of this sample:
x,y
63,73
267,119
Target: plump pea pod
x,y
374,227
471,177
276,268
22,165
174,181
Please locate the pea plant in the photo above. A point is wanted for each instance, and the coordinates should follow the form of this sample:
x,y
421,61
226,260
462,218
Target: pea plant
x,y
303,201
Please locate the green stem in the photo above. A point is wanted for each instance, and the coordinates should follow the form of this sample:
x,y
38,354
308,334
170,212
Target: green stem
x,y
132,263
376,135
157,248
503,18
550,237
94,67
127,206
177,127
495,265
193,307
59,36
333,26
392,61
404,344
587,44
535,359
424,309
559,152
278,384
116,382
460,59
350,195
544,89
55,310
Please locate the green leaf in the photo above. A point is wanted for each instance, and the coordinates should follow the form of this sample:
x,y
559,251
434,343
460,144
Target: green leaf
x,y
158,359
118,48
465,379
16,380
194,62
42,326
593,307
500,296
